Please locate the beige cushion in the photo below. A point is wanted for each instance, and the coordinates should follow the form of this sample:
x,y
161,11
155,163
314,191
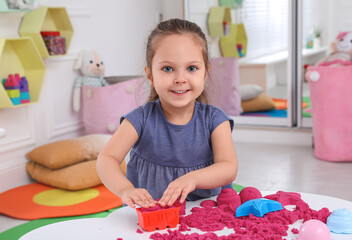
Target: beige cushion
x,y
67,152
250,91
75,177
260,103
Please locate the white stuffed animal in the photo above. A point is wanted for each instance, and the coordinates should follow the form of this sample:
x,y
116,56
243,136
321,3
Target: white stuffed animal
x,y
341,51
92,70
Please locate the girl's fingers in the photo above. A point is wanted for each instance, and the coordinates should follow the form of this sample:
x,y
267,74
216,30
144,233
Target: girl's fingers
x,y
130,203
184,195
165,198
173,197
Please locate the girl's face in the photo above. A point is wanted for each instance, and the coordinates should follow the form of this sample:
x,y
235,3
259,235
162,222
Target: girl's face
x,y
178,70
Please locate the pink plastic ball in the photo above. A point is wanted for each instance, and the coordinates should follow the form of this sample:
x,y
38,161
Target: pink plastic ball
x,y
314,230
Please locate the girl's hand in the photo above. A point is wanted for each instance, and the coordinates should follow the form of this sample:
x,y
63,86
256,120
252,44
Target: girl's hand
x,y
181,186
139,196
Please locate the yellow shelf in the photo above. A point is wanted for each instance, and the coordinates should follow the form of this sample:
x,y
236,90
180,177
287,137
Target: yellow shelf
x,y
217,16
20,55
47,19
237,37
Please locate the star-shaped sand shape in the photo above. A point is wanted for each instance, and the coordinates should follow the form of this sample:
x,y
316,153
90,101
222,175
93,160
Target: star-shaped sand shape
x,y
258,207
288,198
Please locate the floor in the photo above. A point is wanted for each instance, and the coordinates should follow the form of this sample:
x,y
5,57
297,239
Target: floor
x,y
279,167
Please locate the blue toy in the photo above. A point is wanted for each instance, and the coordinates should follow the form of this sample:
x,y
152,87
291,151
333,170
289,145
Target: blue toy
x,y
340,221
258,207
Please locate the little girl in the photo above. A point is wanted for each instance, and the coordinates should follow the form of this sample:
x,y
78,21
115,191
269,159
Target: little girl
x,y
181,147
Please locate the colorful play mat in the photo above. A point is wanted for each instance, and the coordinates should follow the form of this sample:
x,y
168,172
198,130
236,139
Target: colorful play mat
x,y
36,201
17,232
281,109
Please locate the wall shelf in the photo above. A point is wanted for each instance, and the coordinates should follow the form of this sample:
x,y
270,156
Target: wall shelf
x,y
217,16
20,55
235,41
47,19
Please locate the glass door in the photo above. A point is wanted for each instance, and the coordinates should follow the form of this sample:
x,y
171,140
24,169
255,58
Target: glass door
x,y
266,61
318,30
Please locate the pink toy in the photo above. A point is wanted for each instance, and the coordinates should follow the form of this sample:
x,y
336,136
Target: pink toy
x,y
12,87
330,91
92,71
314,230
341,51
249,193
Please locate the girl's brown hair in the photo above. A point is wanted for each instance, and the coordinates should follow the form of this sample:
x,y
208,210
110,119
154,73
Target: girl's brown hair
x,y
176,26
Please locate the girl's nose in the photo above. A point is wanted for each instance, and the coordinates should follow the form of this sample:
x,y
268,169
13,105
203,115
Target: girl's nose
x,y
180,79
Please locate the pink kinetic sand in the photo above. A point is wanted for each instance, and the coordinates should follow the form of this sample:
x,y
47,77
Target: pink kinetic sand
x,y
228,200
208,203
249,193
288,198
273,226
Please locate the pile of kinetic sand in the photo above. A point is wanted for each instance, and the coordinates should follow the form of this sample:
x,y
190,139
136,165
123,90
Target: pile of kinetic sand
x,y
215,216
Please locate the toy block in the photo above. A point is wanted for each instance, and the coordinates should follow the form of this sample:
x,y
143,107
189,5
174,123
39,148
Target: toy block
x,y
11,83
24,85
16,101
218,18
24,95
13,93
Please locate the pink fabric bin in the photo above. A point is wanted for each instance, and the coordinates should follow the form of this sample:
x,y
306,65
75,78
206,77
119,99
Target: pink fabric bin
x,y
103,107
331,99
223,87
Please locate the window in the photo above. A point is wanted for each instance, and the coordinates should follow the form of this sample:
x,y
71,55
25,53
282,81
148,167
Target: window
x,y
266,24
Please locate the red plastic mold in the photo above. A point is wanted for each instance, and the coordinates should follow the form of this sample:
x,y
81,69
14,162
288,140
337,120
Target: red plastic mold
x,y
159,219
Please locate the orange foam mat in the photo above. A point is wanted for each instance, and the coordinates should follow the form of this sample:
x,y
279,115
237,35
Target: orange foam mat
x,y
281,104
36,201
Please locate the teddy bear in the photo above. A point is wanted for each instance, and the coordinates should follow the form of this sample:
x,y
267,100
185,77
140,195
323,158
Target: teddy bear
x,y
341,51
92,71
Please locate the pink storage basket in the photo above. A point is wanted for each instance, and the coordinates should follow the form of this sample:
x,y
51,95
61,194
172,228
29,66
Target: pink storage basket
x,y
331,99
223,88
104,106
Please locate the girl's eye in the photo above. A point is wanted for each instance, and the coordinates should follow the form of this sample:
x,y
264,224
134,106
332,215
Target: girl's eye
x,y
167,69
192,68
101,63
90,61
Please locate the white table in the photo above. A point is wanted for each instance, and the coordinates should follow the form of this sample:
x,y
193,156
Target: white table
x,y
122,223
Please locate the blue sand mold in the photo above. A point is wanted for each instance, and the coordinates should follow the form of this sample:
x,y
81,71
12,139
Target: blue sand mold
x,y
258,207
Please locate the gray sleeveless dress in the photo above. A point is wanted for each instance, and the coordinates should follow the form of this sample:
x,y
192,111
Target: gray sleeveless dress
x,y
165,151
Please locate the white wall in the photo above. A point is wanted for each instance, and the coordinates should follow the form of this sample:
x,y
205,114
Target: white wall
x,y
117,30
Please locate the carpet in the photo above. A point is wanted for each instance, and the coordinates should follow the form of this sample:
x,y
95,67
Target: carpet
x,y
36,201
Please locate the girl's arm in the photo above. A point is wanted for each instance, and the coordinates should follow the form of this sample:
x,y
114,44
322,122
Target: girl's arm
x,y
109,171
222,172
